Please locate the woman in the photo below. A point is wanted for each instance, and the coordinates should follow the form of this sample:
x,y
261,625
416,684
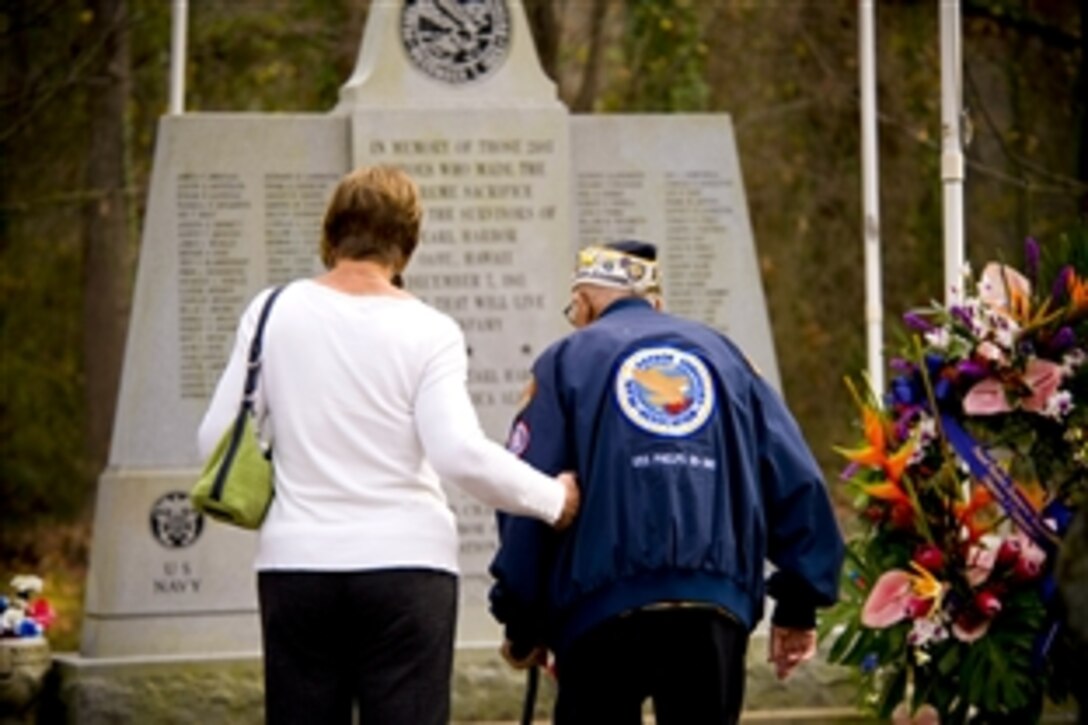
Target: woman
x,y
363,396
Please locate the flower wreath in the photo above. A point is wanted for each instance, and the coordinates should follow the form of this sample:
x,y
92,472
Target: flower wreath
x,y
971,465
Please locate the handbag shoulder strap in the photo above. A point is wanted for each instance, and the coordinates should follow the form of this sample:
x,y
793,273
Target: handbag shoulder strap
x,y
253,366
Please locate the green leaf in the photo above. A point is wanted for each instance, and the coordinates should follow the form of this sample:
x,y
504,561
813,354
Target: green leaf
x,y
893,693
844,644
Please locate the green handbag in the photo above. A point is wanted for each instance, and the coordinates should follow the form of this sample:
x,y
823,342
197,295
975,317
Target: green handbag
x,y
235,486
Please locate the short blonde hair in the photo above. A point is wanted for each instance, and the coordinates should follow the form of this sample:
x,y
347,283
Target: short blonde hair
x,y
374,213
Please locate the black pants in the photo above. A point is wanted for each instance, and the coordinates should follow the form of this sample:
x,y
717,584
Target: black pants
x,y
382,640
690,662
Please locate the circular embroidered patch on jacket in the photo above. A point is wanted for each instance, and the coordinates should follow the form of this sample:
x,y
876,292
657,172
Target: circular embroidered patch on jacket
x,y
665,391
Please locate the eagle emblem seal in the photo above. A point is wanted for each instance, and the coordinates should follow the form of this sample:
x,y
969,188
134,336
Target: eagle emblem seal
x,y
665,391
456,41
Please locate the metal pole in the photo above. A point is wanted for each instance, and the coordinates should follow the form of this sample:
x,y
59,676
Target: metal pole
x,y
952,165
179,25
870,196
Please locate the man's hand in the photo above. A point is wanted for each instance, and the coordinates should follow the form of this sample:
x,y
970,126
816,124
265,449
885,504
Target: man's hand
x,y
572,502
536,656
789,648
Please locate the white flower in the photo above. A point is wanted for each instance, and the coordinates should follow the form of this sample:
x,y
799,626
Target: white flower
x,y
10,619
928,630
1071,361
1059,405
990,351
937,338
926,431
26,584
1005,336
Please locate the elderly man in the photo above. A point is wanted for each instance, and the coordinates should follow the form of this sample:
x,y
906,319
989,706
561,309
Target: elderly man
x,y
693,473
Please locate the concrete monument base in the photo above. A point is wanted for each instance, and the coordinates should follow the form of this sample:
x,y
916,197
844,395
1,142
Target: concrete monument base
x,y
170,690
228,688
151,591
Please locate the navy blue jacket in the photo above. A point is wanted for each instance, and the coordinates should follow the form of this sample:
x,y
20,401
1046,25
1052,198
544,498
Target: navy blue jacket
x,y
692,472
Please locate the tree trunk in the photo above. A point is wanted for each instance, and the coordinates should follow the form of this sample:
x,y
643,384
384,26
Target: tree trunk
x,y
107,254
587,92
545,29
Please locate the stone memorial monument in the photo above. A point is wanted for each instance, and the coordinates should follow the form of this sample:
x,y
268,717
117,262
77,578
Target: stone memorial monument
x,y
452,92
676,180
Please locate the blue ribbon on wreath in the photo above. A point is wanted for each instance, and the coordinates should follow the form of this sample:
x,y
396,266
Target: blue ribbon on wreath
x,y
1000,484
1045,527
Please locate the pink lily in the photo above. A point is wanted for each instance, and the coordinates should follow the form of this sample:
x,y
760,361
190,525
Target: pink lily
x,y
1043,378
898,594
887,602
988,397
1005,289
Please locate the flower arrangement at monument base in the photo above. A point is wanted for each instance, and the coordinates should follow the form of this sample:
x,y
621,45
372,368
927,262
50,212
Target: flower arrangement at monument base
x,y
24,652
26,614
967,473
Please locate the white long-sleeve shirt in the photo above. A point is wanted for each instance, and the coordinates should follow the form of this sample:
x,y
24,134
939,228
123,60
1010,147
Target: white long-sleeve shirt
x,y
364,400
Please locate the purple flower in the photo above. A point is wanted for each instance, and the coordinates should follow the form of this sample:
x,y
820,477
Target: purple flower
x,y
903,422
901,365
869,662
1060,289
971,369
916,322
963,315
849,471
1063,339
1031,258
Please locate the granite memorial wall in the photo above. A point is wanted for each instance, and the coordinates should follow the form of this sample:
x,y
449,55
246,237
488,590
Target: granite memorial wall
x,y
511,185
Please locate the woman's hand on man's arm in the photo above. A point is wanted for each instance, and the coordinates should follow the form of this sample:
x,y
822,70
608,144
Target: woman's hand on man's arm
x,y
572,502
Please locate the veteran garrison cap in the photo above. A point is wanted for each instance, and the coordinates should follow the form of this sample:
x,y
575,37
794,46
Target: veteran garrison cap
x,y
627,264
642,250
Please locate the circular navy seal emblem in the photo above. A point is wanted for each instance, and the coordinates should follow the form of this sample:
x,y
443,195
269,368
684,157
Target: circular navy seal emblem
x,y
174,522
665,391
456,41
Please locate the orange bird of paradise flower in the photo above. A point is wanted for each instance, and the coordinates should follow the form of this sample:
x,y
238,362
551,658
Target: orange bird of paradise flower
x,y
1078,291
875,455
967,513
